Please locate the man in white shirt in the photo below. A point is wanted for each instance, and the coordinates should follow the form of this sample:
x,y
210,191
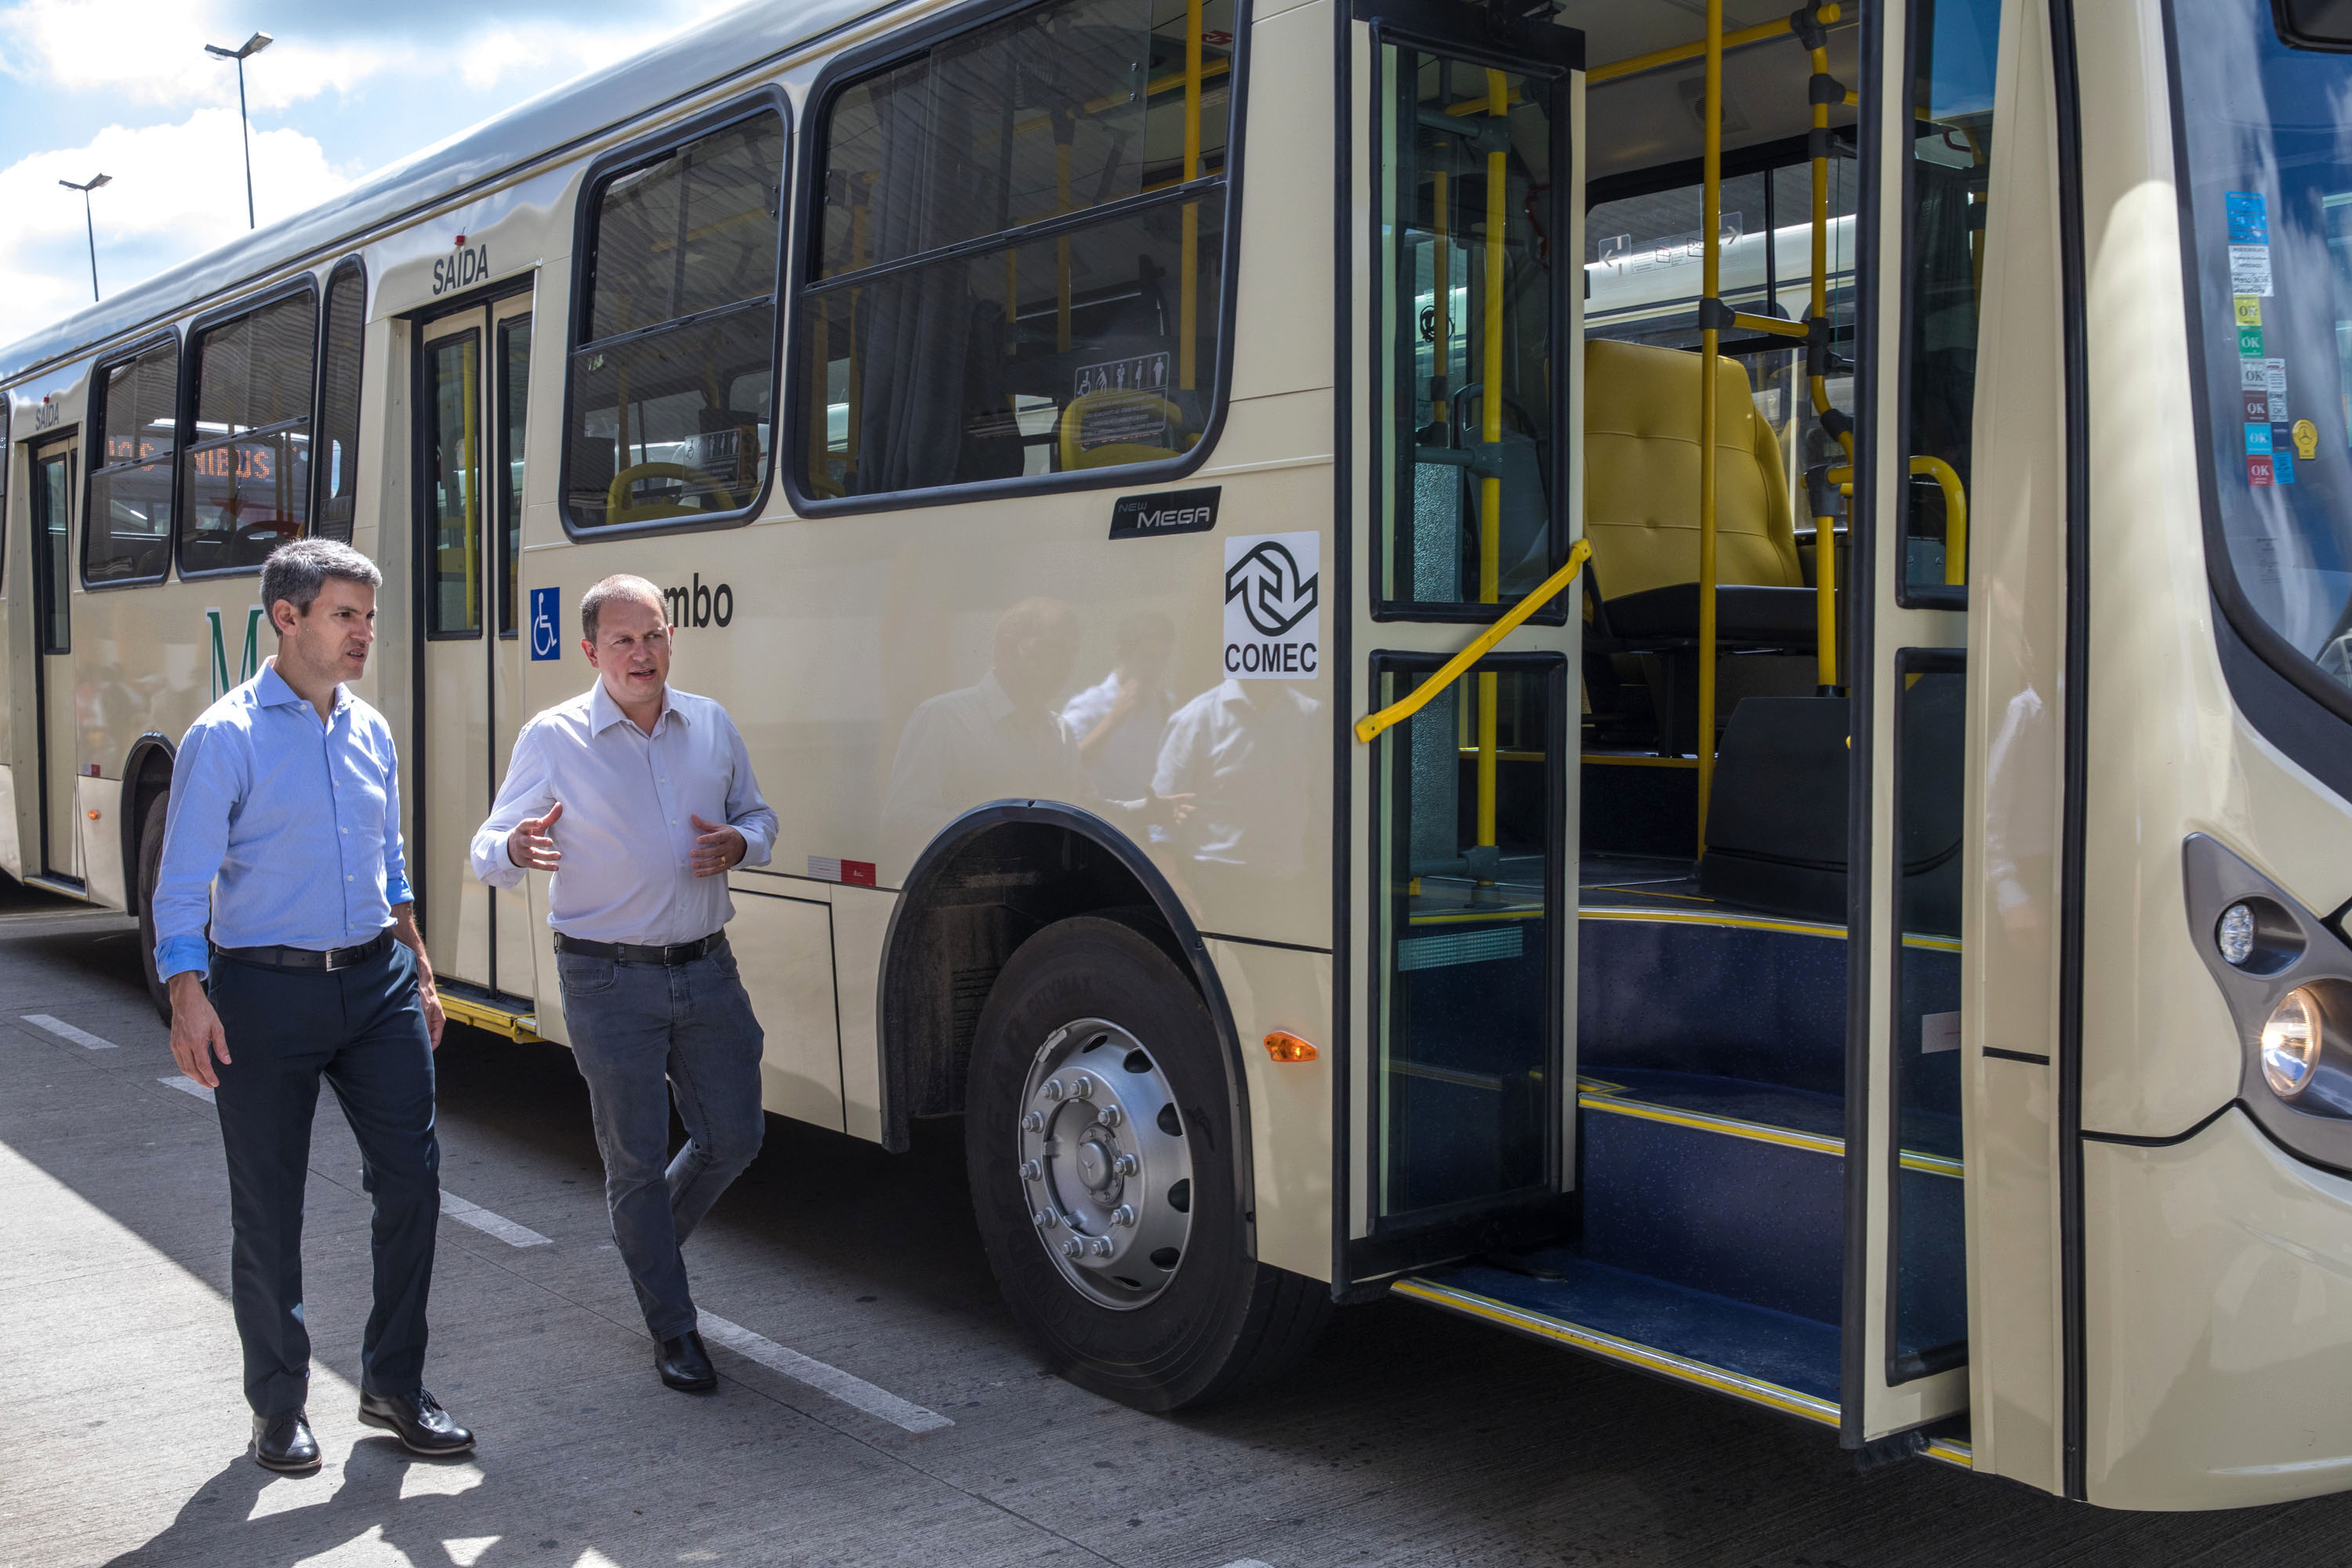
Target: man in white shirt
x,y
640,799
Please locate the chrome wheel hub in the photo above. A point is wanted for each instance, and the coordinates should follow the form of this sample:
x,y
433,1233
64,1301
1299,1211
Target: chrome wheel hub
x,y
1105,1163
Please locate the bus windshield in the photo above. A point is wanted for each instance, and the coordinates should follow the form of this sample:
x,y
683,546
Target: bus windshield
x,y
2268,140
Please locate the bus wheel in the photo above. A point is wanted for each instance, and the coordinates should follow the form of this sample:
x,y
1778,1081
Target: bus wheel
x,y
1102,1165
150,867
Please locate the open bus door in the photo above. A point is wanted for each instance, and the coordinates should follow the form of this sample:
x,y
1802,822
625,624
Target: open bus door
x,y
1459,1133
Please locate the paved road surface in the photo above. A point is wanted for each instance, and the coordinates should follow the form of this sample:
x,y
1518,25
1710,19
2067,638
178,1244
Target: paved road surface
x,y
867,1319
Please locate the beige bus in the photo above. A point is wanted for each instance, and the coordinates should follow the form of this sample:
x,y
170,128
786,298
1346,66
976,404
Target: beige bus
x,y
1168,487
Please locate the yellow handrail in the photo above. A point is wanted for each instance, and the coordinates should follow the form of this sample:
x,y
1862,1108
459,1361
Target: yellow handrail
x,y
1490,486
1658,59
1956,518
1405,707
1711,288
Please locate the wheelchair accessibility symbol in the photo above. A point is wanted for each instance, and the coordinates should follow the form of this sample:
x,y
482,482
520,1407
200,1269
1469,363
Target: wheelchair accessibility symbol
x,y
546,612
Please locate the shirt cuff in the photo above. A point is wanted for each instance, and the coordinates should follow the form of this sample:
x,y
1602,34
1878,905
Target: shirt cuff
x,y
756,846
396,890
179,955
491,866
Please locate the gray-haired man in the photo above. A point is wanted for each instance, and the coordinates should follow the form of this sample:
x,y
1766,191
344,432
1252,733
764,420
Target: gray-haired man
x,y
285,832
654,793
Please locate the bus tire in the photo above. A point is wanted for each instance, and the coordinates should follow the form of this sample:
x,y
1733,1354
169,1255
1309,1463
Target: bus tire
x,y
1161,1307
150,867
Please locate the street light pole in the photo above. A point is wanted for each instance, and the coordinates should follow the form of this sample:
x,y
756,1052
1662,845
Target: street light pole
x,y
89,226
251,46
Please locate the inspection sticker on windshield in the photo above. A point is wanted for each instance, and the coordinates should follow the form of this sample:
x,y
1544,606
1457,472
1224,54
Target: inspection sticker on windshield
x,y
2249,220
2250,270
2248,308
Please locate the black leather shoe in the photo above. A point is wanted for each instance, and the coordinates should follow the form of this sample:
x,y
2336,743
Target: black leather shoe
x,y
284,1443
418,1420
685,1365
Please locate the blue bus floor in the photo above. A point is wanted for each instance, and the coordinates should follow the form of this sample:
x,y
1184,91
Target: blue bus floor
x,y
1717,1331
1768,1105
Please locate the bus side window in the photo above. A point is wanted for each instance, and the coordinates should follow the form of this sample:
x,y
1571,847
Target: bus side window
x,y
334,475
957,324
248,458
675,364
126,536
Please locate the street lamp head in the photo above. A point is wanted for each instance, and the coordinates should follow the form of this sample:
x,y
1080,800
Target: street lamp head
x,y
100,180
251,46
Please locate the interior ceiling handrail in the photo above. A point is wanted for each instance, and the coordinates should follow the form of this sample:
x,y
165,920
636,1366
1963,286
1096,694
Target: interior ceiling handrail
x,y
1656,59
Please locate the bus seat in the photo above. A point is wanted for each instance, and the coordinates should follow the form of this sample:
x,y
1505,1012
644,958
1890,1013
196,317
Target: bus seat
x,y
1098,430
1642,474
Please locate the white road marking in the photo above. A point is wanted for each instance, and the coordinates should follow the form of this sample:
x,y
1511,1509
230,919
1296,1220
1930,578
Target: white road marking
x,y
66,1031
490,1224
188,1086
850,1390
1247,1562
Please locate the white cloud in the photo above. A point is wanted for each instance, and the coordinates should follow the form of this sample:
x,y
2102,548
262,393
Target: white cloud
x,y
176,191
153,52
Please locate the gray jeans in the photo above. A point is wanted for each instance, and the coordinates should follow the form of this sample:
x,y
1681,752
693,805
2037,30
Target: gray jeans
x,y
640,1032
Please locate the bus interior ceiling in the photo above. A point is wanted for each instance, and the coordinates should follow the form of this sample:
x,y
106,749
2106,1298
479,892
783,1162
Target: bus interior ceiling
x,y
1711,1029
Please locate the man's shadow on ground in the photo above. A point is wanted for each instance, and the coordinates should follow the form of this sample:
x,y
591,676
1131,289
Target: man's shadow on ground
x,y
214,1525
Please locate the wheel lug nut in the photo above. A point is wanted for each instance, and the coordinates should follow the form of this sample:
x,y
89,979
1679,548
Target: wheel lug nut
x,y
1083,1088
1100,1247
1110,1116
1030,1170
1044,1218
1054,1089
1126,1165
1033,1122
1073,1247
1123,1215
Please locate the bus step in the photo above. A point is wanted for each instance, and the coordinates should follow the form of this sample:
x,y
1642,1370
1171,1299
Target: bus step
x,y
1751,1353
495,1012
1739,1189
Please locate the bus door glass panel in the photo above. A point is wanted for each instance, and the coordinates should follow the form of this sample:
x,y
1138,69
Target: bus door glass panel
x,y
53,504
511,929
1927,1297
1955,43
1469,942
451,751
1468,486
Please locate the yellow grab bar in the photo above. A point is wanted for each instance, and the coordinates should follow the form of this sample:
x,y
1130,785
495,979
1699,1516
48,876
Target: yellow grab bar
x,y
1956,518
1404,708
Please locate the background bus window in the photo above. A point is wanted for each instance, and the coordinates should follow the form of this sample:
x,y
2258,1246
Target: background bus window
x,y
672,384
453,391
514,394
1067,344
336,472
248,460
5,465
128,538
1955,43
1467,937
1466,494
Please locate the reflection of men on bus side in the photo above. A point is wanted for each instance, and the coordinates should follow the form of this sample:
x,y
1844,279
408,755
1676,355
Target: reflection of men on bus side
x,y
1232,749
994,740
1116,722
654,792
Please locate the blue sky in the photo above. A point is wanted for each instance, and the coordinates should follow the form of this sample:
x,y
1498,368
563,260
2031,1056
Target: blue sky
x,y
124,87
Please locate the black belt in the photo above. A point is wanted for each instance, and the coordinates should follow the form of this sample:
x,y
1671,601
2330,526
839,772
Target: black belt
x,y
677,952
331,959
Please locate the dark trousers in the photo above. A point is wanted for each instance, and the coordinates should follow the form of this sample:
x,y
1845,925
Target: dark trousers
x,y
641,1033
363,1030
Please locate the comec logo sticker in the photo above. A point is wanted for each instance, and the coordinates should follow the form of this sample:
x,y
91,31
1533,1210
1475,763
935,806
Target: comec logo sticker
x,y
1273,624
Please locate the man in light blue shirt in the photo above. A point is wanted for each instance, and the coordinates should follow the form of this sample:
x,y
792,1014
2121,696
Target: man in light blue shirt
x,y
284,833
640,799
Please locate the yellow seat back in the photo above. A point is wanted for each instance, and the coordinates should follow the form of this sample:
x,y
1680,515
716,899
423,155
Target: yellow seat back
x,y
1100,429
1641,474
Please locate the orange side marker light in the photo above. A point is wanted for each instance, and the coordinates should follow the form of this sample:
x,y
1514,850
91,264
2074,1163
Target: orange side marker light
x,y
1284,1047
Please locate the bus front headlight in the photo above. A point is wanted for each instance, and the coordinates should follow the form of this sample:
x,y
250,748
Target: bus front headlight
x,y
2291,1043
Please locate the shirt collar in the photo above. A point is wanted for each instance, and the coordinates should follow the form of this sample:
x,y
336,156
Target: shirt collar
x,y
994,700
604,712
271,691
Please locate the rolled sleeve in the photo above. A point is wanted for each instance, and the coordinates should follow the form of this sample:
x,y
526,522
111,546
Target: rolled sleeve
x,y
396,890
524,794
748,813
207,781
